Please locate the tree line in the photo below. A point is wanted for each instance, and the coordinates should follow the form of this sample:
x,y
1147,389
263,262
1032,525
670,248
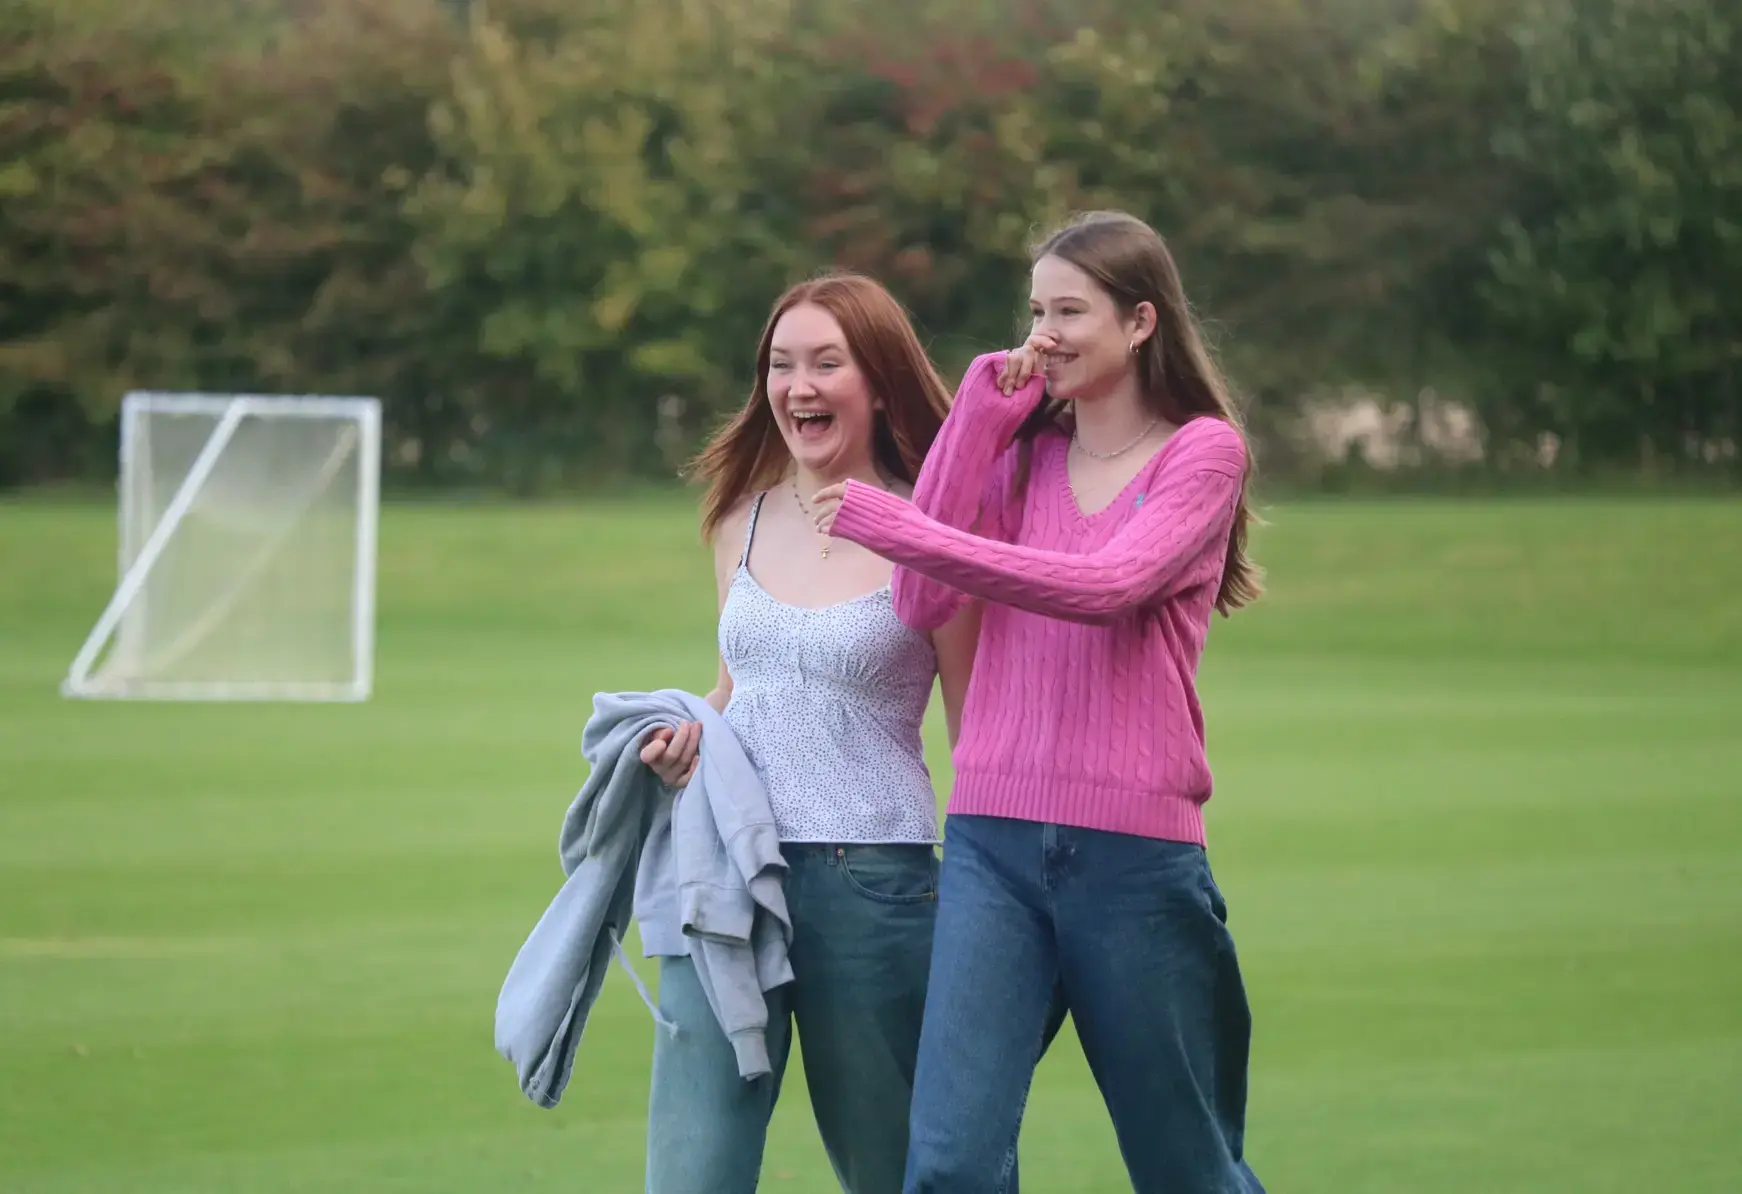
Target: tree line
x,y
546,233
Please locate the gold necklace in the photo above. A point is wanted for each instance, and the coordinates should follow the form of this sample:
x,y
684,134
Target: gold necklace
x,y
811,518
1078,444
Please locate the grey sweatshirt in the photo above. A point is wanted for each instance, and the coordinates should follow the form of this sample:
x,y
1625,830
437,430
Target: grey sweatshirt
x,y
705,862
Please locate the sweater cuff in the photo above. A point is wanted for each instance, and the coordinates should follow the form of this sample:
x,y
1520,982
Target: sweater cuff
x,y
866,510
1001,413
750,1047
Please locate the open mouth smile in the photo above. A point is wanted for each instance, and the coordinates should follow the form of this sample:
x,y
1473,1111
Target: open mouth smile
x,y
811,424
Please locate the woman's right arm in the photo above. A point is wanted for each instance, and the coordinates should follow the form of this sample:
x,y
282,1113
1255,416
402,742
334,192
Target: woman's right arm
x,y
1165,546
673,753
728,543
958,479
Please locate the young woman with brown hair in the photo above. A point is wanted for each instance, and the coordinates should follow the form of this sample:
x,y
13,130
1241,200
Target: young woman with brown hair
x,y
1103,522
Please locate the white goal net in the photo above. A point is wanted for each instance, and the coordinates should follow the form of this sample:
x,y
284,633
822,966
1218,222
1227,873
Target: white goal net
x,y
248,540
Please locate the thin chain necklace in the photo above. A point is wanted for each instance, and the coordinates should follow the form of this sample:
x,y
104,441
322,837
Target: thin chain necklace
x,y
1087,451
806,510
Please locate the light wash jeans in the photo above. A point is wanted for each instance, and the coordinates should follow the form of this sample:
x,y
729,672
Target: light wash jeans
x,y
1128,935
862,937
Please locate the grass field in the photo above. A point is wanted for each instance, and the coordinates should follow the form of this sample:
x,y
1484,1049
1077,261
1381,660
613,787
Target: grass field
x,y
1479,820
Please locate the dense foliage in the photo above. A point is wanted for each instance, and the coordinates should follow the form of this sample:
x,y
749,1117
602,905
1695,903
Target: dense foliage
x,y
545,233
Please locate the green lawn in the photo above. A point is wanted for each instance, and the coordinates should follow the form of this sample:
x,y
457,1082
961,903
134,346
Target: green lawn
x,y
1479,819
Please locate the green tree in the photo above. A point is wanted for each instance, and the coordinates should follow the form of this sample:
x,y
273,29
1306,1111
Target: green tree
x,y
1618,276
92,119
595,209
205,206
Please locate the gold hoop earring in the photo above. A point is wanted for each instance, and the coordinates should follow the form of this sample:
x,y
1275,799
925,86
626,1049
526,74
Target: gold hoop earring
x,y
1134,348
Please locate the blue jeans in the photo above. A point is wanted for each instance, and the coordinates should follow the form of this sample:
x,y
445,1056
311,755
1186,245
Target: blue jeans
x,y
862,936
1126,934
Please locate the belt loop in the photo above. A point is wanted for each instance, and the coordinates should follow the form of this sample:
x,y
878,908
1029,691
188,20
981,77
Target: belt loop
x,y
837,855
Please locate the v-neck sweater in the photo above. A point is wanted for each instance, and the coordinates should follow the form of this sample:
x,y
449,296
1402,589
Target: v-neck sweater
x,y
1083,708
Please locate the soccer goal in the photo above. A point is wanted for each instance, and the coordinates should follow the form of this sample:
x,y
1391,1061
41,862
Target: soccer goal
x,y
248,540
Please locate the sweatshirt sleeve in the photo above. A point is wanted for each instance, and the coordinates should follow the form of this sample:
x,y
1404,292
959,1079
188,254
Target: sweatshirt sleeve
x,y
959,477
1190,508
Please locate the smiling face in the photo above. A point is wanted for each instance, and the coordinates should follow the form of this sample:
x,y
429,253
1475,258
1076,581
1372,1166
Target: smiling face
x,y
821,400
1094,337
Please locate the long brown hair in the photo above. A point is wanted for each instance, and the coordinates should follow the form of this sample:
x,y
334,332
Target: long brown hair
x,y
1176,371
747,454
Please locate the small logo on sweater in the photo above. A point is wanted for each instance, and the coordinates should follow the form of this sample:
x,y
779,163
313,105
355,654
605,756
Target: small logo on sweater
x,y
1138,505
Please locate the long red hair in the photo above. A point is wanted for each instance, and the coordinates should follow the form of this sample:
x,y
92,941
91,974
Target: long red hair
x,y
747,453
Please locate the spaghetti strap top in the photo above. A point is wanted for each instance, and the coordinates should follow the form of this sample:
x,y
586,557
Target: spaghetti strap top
x,y
829,704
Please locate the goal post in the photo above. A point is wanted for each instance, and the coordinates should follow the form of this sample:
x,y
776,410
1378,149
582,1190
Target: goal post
x,y
248,541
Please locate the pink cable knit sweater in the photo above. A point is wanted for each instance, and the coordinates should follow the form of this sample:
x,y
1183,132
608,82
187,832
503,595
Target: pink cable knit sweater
x,y
1082,708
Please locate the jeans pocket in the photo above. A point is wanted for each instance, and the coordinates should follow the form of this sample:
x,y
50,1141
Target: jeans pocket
x,y
890,874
